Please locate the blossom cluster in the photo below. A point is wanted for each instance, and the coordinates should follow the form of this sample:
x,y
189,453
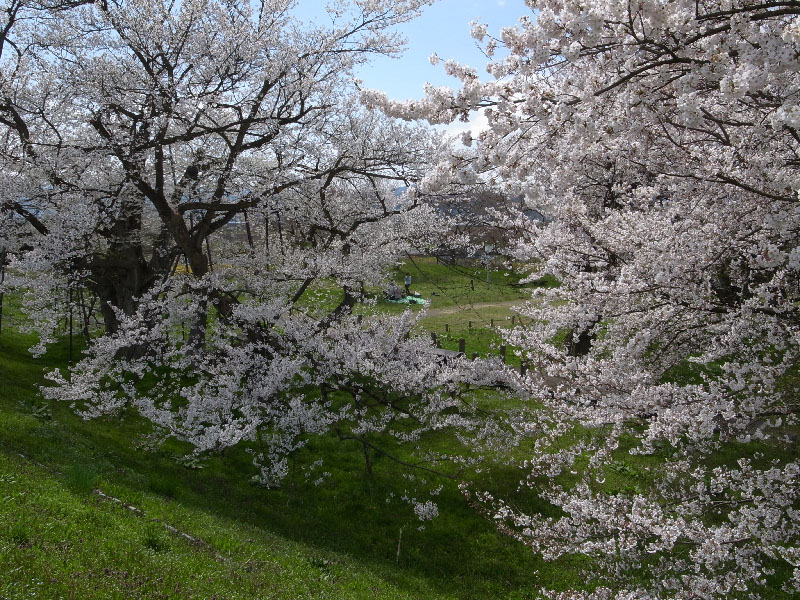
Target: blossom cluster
x,y
660,139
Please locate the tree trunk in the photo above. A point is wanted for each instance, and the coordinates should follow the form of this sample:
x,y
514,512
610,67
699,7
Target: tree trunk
x,y
583,345
367,458
121,276
198,262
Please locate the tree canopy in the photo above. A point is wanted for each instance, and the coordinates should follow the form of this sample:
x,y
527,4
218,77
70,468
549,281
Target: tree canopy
x,y
662,138
206,171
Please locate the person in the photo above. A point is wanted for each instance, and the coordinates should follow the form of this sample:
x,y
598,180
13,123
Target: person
x,y
408,283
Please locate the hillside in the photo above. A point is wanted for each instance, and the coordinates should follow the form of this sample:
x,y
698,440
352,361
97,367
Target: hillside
x,y
88,511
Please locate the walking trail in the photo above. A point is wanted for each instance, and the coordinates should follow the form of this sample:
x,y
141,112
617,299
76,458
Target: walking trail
x,y
476,306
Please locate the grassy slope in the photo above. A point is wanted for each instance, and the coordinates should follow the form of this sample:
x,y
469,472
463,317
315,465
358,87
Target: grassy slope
x,y
339,539
460,286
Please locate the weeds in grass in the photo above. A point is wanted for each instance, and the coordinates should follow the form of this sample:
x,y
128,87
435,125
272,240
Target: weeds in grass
x,y
42,411
154,537
19,534
81,479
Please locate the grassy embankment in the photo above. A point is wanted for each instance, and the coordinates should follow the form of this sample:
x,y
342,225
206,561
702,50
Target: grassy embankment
x,y
340,539
463,305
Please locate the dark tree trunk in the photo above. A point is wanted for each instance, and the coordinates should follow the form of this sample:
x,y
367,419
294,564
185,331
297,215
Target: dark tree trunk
x,y
583,345
198,263
118,282
123,274
367,458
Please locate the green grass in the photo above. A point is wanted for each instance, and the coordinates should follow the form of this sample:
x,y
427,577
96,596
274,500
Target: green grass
x,y
462,305
338,539
455,285
459,290
482,337
65,545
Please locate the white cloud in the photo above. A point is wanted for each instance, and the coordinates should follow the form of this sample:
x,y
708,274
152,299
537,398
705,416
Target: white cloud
x,y
477,123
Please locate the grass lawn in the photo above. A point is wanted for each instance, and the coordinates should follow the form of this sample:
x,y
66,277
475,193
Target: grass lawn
x,y
460,286
338,539
460,304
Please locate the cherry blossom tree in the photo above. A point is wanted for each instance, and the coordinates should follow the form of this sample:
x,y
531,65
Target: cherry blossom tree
x,y
142,129
205,169
663,138
191,114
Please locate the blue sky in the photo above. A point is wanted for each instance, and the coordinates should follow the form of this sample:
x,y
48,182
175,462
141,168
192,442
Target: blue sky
x,y
444,29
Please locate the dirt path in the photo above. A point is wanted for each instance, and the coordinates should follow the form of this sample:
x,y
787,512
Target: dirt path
x,y
474,307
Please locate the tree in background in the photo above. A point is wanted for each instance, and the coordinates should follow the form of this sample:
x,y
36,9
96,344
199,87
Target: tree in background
x,y
664,139
188,115
138,136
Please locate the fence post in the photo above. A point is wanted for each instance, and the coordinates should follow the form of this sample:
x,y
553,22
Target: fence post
x,y
470,324
513,318
447,327
84,315
492,322
462,345
523,368
433,339
503,353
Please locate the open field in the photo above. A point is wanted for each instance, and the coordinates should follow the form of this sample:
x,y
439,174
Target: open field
x,y
462,305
